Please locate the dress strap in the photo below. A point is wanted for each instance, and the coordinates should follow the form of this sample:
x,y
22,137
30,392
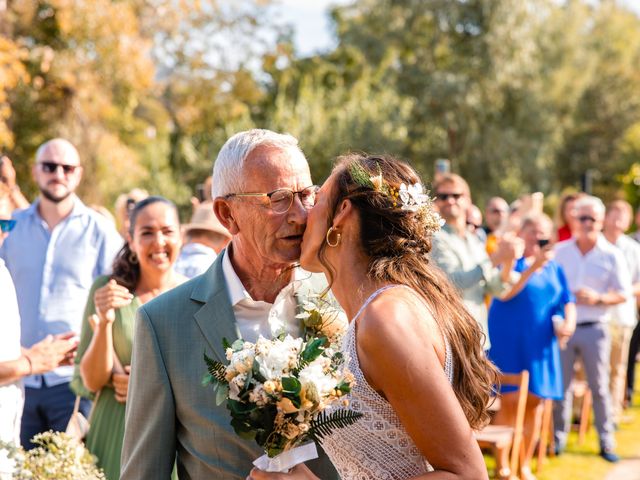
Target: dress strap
x,y
370,299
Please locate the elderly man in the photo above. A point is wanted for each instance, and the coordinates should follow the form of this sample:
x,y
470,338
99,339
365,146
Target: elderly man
x,y
597,273
462,256
262,191
56,250
624,317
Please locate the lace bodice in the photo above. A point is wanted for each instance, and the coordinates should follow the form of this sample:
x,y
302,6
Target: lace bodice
x,y
376,447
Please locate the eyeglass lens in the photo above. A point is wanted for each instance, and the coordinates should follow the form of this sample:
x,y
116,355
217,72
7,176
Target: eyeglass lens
x,y
281,200
50,167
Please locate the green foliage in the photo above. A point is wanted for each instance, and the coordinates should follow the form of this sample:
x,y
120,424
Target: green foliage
x,y
521,95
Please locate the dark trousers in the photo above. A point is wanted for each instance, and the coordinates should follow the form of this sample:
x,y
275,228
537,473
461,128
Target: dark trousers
x,y
48,408
631,365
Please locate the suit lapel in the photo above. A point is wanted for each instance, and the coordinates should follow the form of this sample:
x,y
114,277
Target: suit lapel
x,y
215,318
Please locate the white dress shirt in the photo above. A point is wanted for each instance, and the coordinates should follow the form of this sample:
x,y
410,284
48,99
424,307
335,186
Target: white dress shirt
x,y
12,395
625,314
603,269
256,317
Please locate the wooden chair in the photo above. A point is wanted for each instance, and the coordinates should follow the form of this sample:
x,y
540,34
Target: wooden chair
x,y
581,390
546,442
499,438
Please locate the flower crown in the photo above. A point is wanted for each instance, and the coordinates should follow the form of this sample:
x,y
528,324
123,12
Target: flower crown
x,y
412,197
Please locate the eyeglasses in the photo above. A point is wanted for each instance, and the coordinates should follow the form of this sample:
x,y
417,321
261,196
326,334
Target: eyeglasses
x,y
7,225
445,196
586,218
51,167
280,200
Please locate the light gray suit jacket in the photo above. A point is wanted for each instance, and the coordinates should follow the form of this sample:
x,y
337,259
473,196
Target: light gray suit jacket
x,y
170,415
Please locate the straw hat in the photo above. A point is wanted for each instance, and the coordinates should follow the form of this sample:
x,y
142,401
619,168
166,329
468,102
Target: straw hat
x,y
203,218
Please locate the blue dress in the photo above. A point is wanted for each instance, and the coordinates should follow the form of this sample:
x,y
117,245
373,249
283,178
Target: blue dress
x,y
521,330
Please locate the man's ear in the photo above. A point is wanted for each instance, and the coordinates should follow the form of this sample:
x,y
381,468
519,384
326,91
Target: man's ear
x,y
223,211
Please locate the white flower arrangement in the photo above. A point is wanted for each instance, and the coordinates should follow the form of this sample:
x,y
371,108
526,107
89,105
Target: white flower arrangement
x,y
283,393
58,456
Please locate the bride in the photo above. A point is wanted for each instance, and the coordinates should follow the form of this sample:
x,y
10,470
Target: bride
x,y
422,378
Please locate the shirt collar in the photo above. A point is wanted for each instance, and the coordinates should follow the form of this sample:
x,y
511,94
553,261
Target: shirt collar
x,y
78,207
237,292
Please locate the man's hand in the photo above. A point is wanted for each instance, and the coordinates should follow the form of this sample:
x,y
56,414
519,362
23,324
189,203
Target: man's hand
x,y
587,296
52,352
121,384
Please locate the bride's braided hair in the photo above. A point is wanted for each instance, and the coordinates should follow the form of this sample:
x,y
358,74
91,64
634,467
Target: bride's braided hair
x,y
397,242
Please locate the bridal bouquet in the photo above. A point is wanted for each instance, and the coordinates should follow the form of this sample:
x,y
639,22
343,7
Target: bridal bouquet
x,y
283,393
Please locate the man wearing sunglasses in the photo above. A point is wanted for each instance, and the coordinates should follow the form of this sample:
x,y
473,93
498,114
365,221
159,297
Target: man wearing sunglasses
x,y
597,273
56,249
262,192
462,256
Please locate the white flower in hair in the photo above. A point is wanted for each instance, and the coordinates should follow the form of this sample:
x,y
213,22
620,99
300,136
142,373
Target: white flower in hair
x,y
413,197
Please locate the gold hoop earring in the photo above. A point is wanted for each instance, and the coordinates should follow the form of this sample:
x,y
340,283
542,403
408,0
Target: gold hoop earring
x,y
338,237
133,258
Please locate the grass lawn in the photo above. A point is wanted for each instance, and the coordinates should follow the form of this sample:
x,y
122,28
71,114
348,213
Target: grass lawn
x,y
582,461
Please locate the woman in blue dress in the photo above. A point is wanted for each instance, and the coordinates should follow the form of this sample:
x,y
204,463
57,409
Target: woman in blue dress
x,y
522,331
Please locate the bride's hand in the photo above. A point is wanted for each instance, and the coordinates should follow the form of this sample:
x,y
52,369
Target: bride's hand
x,y
299,472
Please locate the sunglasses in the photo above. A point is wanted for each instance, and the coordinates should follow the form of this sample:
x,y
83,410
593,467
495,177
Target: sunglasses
x,y
497,210
50,167
445,196
7,225
586,218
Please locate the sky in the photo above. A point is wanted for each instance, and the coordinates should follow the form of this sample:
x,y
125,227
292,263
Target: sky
x,y
310,18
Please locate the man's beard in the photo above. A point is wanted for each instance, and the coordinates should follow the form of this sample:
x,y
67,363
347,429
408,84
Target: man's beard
x,y
54,198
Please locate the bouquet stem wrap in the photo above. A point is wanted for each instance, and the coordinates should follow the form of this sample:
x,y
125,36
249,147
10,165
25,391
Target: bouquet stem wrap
x,y
288,459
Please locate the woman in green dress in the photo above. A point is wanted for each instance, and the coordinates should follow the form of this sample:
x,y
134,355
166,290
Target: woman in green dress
x,y
142,270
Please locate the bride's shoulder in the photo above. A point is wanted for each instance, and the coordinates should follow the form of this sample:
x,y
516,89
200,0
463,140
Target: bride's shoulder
x,y
397,311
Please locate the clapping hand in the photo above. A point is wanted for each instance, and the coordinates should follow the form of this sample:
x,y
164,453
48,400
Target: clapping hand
x,y
106,300
52,351
587,296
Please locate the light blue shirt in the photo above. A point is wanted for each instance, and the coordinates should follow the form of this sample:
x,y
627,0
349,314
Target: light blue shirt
x,y
195,259
53,271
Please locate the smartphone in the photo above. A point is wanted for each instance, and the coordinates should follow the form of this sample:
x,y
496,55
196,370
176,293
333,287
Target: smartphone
x,y
200,192
543,242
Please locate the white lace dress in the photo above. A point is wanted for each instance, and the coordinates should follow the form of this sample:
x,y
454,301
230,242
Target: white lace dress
x,y
376,447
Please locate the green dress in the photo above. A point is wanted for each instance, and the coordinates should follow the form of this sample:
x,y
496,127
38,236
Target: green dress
x,y
106,434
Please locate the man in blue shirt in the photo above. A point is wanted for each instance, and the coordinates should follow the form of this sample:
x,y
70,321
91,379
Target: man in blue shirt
x,y
56,250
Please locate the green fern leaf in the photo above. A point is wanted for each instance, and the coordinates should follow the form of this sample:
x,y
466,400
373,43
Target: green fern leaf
x,y
216,370
324,423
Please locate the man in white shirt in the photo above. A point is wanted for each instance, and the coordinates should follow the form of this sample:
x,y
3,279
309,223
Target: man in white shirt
x,y
597,274
624,316
262,193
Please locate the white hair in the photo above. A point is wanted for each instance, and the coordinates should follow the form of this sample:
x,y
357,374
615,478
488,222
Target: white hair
x,y
228,168
590,201
66,146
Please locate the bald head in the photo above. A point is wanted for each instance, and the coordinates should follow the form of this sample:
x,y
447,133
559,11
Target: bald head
x,y
58,150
